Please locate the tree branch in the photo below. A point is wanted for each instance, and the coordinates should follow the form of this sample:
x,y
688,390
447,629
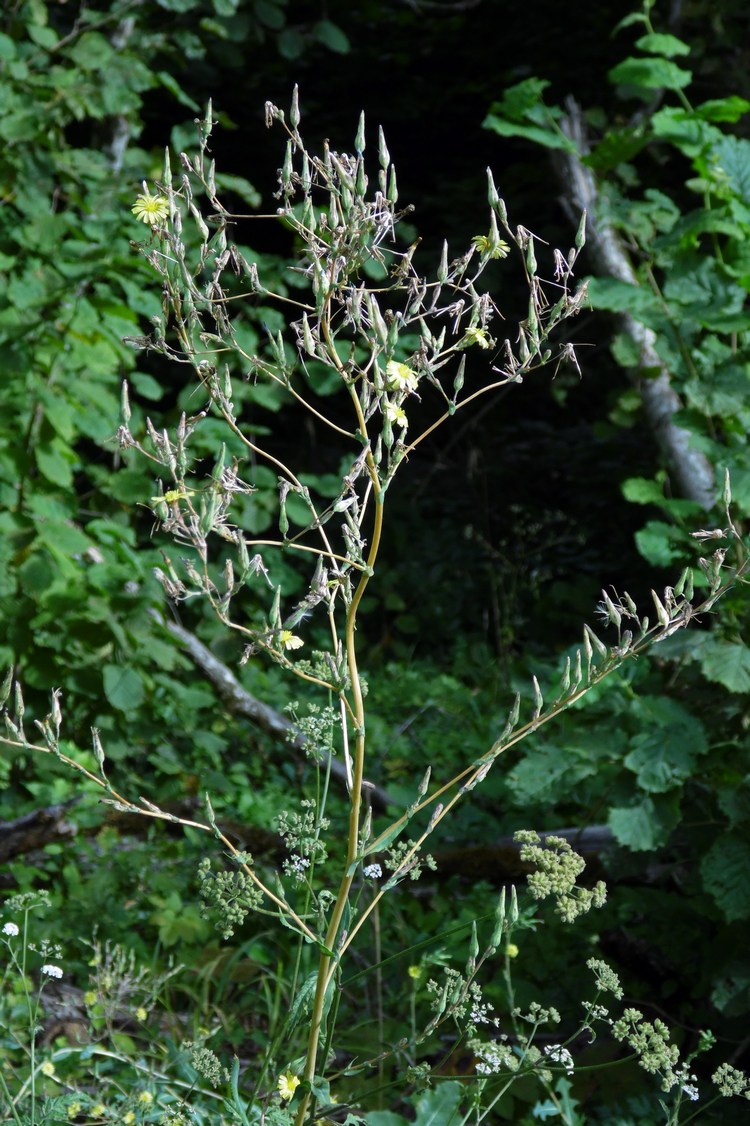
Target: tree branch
x,y
240,702
693,473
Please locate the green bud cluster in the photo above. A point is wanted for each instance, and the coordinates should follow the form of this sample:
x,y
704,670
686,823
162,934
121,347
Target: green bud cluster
x,y
232,895
557,869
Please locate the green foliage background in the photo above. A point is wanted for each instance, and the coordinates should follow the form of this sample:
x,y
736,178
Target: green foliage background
x,y
87,98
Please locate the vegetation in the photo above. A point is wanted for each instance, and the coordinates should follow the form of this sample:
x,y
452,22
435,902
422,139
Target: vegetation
x,y
206,452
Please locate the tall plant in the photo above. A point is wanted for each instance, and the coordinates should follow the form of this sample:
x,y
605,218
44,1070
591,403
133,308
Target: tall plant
x,y
396,343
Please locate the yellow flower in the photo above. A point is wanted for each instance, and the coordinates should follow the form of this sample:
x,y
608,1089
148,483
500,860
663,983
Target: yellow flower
x,y
150,209
98,1111
474,336
495,247
414,972
288,1084
129,1117
47,1068
141,1014
400,377
91,997
290,640
396,414
511,950
145,1098
74,1110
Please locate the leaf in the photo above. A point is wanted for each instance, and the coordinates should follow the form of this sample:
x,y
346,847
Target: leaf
x,y
622,297
663,754
661,544
439,1107
651,74
123,687
725,869
269,14
729,109
731,159
659,44
291,44
645,825
55,461
539,135
332,37
727,663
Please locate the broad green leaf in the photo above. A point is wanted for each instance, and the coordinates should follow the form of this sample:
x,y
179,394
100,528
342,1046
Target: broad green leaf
x,y
656,43
730,161
645,825
621,297
550,138
269,14
727,663
651,74
663,754
385,1118
439,1106
291,44
725,869
55,461
123,687
729,109
332,37
661,544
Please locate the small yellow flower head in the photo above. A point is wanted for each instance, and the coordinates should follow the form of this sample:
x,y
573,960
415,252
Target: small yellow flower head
x,y
475,336
98,1110
414,972
511,950
145,1098
495,247
288,1084
141,1014
397,415
129,1117
290,640
150,209
47,1068
400,377
91,997
74,1110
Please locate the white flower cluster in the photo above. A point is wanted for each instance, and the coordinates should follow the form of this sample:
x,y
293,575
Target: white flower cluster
x,y
11,929
373,871
558,1054
52,971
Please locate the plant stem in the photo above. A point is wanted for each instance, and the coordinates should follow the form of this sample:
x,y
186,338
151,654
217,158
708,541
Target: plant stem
x,y
327,965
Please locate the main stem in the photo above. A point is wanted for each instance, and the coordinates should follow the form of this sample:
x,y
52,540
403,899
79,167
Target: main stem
x,y
327,964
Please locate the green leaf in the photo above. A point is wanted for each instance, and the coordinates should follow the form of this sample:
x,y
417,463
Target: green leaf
x,y
660,544
384,1118
291,44
729,109
171,84
730,159
651,74
439,1106
727,663
659,44
622,297
123,687
725,869
539,135
332,37
55,461
645,825
269,14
